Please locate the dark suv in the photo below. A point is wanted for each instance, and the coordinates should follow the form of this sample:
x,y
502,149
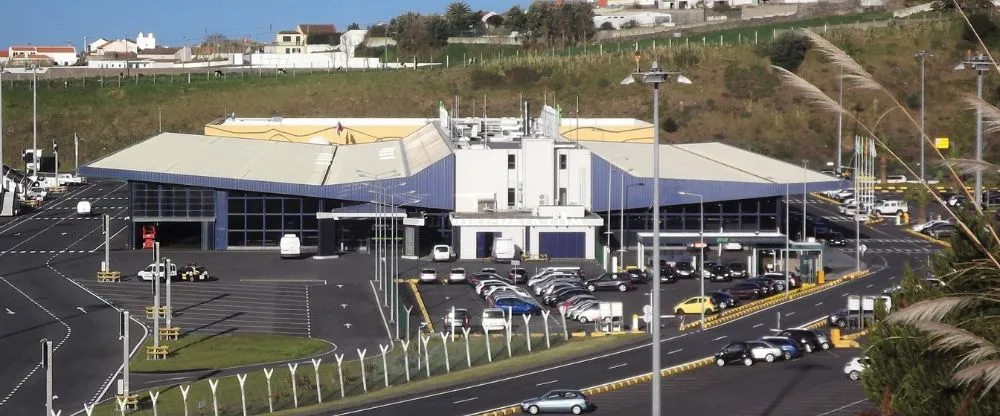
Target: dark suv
x,y
719,273
737,270
809,340
610,281
744,290
833,239
685,270
639,276
724,300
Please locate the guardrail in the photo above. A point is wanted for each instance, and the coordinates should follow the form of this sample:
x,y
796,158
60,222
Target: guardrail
x,y
743,310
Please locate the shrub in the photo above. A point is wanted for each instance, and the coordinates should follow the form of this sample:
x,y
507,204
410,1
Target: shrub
x,y
521,76
788,51
984,26
482,78
607,26
670,125
753,82
686,58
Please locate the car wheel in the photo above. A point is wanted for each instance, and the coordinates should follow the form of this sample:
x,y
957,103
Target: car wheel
x,y
720,362
841,323
533,410
769,358
854,375
722,305
576,410
679,312
622,288
748,361
583,319
591,288
825,345
788,355
809,348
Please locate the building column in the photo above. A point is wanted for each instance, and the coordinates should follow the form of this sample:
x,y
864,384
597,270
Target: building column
x,y
411,242
329,239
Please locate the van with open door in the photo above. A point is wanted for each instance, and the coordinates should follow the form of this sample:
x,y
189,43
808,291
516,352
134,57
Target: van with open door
x,y
291,246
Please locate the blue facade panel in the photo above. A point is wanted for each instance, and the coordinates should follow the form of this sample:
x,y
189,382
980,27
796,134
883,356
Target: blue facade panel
x,y
221,220
639,192
570,245
432,187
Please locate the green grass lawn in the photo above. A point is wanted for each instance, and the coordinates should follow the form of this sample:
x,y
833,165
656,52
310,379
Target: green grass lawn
x,y
306,391
197,352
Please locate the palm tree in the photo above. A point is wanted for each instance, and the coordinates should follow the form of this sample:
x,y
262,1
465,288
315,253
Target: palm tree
x,y
922,197
458,15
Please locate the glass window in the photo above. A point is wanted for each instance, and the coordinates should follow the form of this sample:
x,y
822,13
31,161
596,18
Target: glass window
x,y
255,206
237,238
748,206
769,206
237,222
692,223
731,207
562,162
293,222
511,196
511,161
673,222
255,238
310,238
272,238
272,222
749,223
768,223
272,206
293,206
310,205
255,222
731,223
309,222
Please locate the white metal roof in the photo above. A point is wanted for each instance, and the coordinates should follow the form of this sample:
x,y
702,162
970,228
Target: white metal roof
x,y
346,122
424,147
358,162
702,161
225,157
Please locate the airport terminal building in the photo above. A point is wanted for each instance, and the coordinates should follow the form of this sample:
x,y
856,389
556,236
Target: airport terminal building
x,y
572,188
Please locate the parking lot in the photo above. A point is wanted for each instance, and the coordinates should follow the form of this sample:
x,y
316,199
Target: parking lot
x,y
812,385
440,298
258,292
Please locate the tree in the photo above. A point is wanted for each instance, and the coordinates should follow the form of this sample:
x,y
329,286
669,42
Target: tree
x,y
514,19
607,26
789,50
751,83
459,15
353,26
922,197
984,25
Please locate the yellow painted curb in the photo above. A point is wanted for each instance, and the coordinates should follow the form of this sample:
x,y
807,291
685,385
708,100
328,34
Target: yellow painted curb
x,y
928,238
824,199
420,305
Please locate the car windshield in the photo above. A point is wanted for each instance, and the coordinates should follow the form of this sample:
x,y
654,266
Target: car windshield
x,y
462,271
442,249
493,315
683,265
429,271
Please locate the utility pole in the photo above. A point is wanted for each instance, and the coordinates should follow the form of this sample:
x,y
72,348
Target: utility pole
x,y
47,365
170,310
923,55
123,317
1,121
55,153
76,153
980,64
788,237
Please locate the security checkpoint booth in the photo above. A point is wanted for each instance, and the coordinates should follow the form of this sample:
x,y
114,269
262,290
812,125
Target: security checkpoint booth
x,y
388,225
803,258
759,249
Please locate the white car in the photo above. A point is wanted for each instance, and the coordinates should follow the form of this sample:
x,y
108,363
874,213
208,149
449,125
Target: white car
x,y
71,179
761,350
513,289
896,179
591,313
83,209
456,275
36,192
855,367
494,319
148,273
442,252
482,284
920,227
428,276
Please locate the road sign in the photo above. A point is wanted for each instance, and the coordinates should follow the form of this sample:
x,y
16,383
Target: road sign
x,y
647,317
646,309
942,143
515,262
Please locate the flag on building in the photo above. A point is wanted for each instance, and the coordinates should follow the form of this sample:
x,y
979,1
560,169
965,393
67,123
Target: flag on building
x,y
340,128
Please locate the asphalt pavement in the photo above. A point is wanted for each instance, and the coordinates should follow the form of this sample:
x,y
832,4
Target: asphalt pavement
x,y
39,253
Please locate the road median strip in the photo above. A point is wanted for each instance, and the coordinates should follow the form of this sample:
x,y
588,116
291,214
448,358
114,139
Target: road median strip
x,y
927,237
420,304
741,311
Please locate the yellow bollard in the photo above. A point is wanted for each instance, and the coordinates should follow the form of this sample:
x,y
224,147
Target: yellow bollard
x,y
821,277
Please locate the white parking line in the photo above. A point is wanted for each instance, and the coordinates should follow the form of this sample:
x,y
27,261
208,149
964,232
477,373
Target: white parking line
x,y
465,400
617,366
546,382
675,351
790,313
719,338
819,303
869,286
845,294
758,325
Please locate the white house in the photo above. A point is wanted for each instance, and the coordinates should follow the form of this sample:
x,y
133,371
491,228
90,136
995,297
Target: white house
x,y
147,41
619,18
351,39
118,46
95,45
182,54
58,55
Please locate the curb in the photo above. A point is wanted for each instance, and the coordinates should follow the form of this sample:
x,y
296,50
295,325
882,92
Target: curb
x,y
824,199
928,238
420,304
619,384
752,307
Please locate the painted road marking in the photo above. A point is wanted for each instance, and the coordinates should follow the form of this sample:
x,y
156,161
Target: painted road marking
x,y
617,366
719,338
546,382
790,314
758,325
675,351
869,286
465,400
819,303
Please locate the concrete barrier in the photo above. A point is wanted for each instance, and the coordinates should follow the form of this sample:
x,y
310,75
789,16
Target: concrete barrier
x,y
741,311
927,237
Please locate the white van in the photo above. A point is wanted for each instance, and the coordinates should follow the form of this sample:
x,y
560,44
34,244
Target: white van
x,y
442,252
83,208
291,247
147,273
504,249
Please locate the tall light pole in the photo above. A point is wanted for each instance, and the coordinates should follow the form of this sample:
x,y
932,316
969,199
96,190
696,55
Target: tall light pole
x,y
805,196
159,118
980,63
76,153
1,121
379,268
47,365
608,232
701,249
840,124
923,55
788,230
36,166
655,76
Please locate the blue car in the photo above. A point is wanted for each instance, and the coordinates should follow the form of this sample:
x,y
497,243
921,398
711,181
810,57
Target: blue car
x,y
518,306
788,346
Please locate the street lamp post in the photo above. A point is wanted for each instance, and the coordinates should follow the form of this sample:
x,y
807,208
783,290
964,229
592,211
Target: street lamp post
x,y
980,63
608,232
787,238
805,196
379,221
701,248
621,243
655,76
392,292
923,55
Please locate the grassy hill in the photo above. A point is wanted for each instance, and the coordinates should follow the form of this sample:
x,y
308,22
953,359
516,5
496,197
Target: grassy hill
x,y
734,99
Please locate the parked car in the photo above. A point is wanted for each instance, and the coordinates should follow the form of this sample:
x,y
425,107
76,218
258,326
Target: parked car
x,y
610,281
589,313
723,300
737,270
477,277
519,275
565,305
891,207
718,273
428,276
442,252
772,286
747,353
808,339
536,282
923,226
457,275
744,290
940,231
685,270
794,280
457,318
554,298
854,368
844,318
561,401
506,289
494,319
542,287
148,273
789,348
695,304
638,276
832,239
488,270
